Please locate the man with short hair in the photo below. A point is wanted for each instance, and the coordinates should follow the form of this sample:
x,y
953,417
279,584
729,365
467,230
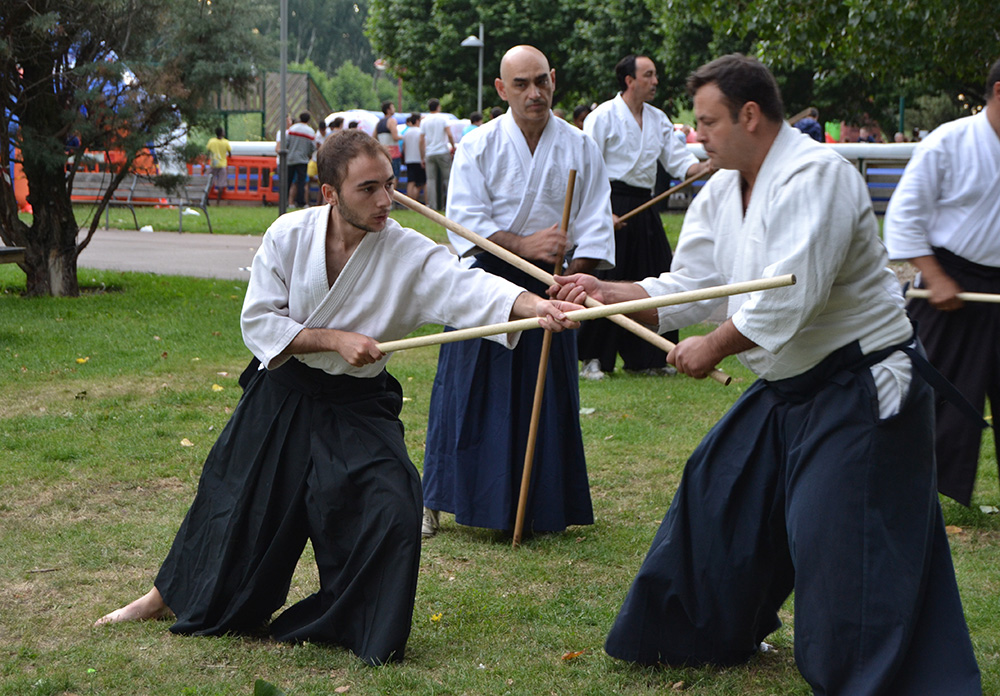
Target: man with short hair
x,y
820,479
301,144
413,156
219,150
314,450
809,124
475,120
509,184
438,146
633,136
944,218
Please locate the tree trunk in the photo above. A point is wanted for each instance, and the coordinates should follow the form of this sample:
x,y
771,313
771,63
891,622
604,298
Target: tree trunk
x,y
50,243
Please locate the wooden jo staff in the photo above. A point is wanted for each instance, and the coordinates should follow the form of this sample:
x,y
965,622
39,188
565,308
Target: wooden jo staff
x,y
534,271
923,294
543,369
653,201
598,312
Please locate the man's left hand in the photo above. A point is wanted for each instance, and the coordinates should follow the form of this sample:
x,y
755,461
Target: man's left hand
x,y
552,315
694,357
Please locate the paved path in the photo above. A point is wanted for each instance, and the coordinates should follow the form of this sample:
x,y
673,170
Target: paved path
x,y
169,253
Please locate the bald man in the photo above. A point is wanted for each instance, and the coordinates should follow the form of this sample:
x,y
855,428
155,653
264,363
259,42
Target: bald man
x,y
508,183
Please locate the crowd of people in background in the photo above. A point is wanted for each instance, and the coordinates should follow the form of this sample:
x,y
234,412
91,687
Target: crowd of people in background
x,y
421,156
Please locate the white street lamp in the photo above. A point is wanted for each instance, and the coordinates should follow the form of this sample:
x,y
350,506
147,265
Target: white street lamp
x,y
477,42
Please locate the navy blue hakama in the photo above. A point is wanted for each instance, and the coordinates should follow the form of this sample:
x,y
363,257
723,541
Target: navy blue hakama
x,y
477,432
964,346
305,456
802,486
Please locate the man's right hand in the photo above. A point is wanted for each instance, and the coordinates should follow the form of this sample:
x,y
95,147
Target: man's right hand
x,y
942,287
944,293
576,288
357,349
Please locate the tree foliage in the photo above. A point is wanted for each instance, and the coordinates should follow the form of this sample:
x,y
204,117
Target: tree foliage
x,y
859,56
420,40
352,88
117,74
328,33
849,58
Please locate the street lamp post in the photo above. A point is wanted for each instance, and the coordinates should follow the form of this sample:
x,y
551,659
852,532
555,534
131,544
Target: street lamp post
x,y
477,42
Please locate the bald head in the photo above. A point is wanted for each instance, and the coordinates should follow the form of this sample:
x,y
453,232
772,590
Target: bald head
x,y
521,58
526,83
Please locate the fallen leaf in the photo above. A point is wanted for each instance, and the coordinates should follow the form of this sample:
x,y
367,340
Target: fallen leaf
x,y
436,617
342,689
952,529
217,387
222,374
156,338
679,686
83,360
586,410
163,354
609,437
574,654
186,443
989,509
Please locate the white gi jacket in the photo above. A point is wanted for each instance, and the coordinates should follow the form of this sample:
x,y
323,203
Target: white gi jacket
x,y
496,184
949,195
810,214
631,153
395,281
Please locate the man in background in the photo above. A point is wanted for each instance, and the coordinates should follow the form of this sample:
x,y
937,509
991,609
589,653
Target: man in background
x,y
439,147
944,218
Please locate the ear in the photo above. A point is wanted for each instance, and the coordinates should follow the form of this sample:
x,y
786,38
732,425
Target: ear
x,y
552,77
750,116
329,194
501,91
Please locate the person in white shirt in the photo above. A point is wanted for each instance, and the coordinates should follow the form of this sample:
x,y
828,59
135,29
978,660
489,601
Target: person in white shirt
x,y
509,184
820,479
413,157
314,450
944,218
438,147
633,137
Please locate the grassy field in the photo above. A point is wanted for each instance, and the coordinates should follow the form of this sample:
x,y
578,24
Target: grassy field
x,y
226,219
109,405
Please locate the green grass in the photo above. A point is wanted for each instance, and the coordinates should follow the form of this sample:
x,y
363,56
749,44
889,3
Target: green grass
x,y
110,404
226,219
233,219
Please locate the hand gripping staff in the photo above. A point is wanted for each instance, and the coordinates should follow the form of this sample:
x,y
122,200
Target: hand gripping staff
x,y
537,273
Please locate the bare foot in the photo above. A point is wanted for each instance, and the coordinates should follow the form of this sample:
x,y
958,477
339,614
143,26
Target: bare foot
x,y
149,606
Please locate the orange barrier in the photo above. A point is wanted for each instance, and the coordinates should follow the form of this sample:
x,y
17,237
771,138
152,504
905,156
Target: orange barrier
x,y
251,178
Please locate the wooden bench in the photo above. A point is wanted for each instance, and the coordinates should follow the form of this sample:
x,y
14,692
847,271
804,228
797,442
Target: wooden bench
x,y
138,191
192,194
90,187
11,254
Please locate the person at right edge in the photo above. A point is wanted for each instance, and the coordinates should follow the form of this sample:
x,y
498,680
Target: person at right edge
x,y
944,218
821,477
